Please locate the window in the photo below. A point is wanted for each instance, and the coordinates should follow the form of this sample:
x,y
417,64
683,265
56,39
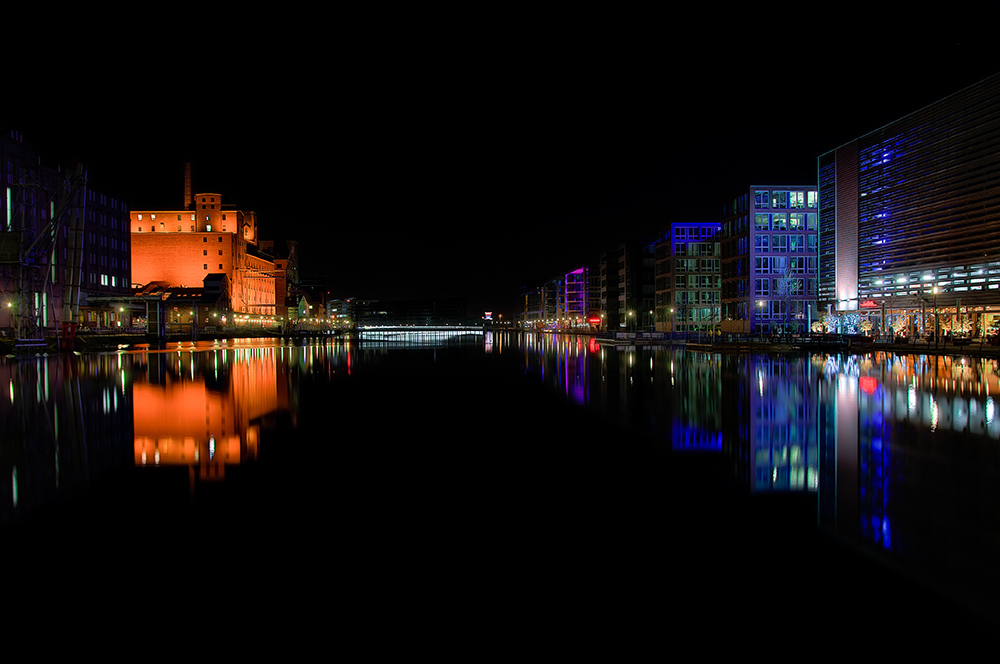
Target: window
x,y
796,199
220,250
762,222
779,221
812,199
760,199
204,252
779,199
761,243
204,239
797,221
220,266
205,266
780,242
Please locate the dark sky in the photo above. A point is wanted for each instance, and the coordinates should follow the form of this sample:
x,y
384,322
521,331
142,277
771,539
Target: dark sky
x,y
473,156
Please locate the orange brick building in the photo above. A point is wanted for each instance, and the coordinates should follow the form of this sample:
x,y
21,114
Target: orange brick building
x,y
183,247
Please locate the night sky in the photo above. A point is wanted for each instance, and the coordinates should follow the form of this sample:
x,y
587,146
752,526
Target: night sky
x,y
415,156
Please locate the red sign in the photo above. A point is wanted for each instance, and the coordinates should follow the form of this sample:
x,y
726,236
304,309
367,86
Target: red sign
x,y
594,320
868,304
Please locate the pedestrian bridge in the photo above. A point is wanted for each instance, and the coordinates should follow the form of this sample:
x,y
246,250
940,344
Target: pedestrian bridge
x,y
416,334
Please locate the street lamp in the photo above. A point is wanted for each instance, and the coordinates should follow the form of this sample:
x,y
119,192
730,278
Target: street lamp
x,y
936,328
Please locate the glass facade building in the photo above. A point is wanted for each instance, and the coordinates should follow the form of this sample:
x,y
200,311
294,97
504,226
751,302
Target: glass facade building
x,y
769,260
688,281
909,215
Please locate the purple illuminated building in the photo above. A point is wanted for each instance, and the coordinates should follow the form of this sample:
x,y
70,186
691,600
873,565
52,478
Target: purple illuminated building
x,y
565,302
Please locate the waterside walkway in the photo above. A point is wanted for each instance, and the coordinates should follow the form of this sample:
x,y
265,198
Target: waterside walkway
x,y
819,343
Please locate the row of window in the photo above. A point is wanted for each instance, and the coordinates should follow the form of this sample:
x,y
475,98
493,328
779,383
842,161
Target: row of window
x,y
785,199
696,297
781,308
695,231
782,221
783,264
696,265
696,249
793,243
180,229
697,281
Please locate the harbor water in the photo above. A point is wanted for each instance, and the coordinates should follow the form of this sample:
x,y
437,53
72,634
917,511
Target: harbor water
x,y
523,486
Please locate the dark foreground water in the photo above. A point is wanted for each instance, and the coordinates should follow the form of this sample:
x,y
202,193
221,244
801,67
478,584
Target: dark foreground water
x,y
491,492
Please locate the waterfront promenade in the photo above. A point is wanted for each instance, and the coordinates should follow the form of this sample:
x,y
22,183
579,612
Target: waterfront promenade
x,y
816,342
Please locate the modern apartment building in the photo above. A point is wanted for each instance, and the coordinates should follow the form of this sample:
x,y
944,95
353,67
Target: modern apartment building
x,y
769,260
566,302
627,286
910,218
688,278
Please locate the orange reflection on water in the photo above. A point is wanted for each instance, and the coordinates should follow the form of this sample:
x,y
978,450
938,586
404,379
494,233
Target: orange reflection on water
x,y
180,421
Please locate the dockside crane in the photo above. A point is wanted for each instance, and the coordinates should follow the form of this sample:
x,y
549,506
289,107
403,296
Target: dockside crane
x,y
29,261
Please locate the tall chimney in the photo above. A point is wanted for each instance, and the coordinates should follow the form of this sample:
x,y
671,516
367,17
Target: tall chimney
x,y
188,197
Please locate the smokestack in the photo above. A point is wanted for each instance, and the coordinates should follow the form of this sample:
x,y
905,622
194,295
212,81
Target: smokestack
x,y
188,197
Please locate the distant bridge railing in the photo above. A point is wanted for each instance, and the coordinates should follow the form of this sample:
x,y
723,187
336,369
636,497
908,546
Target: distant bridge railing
x,y
415,334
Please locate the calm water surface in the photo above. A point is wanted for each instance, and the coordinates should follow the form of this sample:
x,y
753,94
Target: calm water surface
x,y
518,481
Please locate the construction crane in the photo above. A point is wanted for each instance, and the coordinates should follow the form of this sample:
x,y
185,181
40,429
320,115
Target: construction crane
x,y
29,261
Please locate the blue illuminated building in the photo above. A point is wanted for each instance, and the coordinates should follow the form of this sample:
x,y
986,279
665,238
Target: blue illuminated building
x,y
769,260
687,278
908,217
